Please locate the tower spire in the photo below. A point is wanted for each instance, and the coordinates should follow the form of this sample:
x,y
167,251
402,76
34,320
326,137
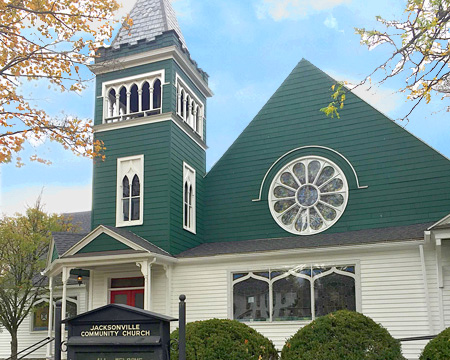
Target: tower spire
x,y
150,19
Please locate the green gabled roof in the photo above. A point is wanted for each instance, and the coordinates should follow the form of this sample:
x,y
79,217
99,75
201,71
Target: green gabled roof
x,y
407,180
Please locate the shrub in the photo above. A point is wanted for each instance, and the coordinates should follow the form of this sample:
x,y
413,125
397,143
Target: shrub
x,y
438,348
217,339
342,335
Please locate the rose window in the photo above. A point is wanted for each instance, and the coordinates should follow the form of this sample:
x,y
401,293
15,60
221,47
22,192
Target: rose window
x,y
308,195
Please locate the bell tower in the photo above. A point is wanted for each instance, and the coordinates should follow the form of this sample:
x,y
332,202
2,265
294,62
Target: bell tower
x,y
150,112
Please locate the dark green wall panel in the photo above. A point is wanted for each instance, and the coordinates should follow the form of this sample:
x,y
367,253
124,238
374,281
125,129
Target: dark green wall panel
x,y
103,242
407,179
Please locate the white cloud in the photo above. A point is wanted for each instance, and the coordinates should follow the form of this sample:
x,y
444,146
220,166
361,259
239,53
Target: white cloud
x,y
331,22
55,198
293,9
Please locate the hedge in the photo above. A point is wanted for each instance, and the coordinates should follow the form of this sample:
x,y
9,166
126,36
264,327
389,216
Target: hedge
x,y
218,339
438,348
342,335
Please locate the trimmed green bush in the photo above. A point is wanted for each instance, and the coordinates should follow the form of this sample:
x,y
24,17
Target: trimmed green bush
x,y
438,348
218,339
342,335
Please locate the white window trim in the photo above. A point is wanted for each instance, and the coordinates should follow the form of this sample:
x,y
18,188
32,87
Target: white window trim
x,y
270,322
73,299
189,176
120,174
117,84
181,85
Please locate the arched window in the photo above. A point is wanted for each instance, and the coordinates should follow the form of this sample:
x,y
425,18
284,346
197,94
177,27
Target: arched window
x,y
145,96
188,112
178,99
123,101
112,103
189,198
197,120
192,116
182,102
135,198
130,182
134,99
126,198
131,198
157,94
190,210
186,204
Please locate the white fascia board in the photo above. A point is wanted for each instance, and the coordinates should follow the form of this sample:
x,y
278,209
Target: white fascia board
x,y
263,255
440,222
98,261
50,253
170,52
100,230
169,116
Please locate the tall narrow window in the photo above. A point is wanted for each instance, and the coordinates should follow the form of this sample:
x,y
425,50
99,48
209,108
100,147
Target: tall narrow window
x,y
130,191
197,120
157,94
112,103
145,96
189,217
123,101
134,99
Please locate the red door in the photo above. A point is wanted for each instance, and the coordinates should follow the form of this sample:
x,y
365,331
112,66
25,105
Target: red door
x,y
128,297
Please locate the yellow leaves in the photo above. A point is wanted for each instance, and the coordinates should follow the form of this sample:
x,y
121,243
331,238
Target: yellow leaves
x,y
58,25
338,96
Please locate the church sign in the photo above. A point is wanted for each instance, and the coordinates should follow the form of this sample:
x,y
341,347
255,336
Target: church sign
x,y
118,332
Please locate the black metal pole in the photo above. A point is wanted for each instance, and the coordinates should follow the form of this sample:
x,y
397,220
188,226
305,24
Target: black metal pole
x,y
58,330
182,329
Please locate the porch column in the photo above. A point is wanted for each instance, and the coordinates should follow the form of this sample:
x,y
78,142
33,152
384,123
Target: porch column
x,y
168,270
146,270
91,290
50,316
65,278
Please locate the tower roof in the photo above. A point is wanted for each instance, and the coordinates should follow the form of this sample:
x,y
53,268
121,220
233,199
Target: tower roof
x,y
150,19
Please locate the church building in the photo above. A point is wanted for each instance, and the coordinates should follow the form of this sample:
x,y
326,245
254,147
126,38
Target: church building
x,y
303,215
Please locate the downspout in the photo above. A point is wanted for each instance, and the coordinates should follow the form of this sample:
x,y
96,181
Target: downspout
x,y
440,283
425,287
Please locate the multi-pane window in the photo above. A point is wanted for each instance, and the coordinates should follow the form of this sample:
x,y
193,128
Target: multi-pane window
x,y
129,191
134,97
302,293
131,197
189,219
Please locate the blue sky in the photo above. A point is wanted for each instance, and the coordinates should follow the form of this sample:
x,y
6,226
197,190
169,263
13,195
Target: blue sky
x,y
248,48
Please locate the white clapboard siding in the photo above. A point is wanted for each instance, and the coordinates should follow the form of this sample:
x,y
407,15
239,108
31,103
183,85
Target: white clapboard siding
x,y
391,289
27,337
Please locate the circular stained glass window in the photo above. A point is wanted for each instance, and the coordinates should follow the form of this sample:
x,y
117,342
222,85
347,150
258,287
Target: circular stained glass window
x,y
308,195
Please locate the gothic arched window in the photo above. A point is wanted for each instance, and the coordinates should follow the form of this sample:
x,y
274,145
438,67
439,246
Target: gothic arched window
x,y
157,94
188,198
129,191
134,99
145,96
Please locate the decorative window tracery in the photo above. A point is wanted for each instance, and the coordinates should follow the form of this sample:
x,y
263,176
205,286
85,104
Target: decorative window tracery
x,y
133,97
189,216
129,191
301,293
308,195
